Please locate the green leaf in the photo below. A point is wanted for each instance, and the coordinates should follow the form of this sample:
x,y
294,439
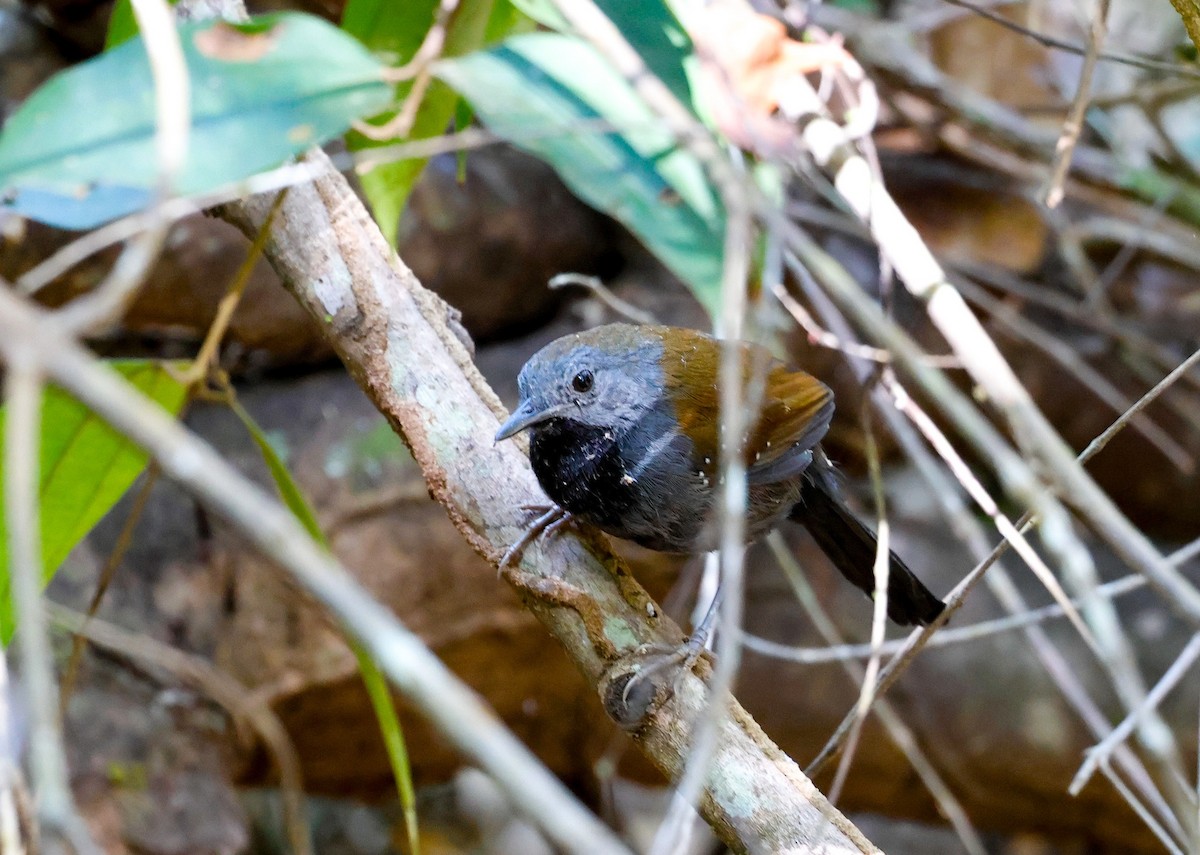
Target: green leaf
x,y
545,13
377,686
288,489
388,186
651,28
122,24
546,93
260,93
507,20
84,468
392,29
393,740
659,39
398,30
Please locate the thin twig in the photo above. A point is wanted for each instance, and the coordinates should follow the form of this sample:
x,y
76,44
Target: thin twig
x,y
866,692
14,798
944,638
418,69
604,294
107,573
1143,812
1072,127
1099,385
1097,445
1144,62
206,357
1100,753
899,732
1011,533
826,339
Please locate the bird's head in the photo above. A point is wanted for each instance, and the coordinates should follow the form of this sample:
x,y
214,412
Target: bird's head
x,y
606,377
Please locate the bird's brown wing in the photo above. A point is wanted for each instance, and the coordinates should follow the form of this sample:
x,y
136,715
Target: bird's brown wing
x,y
794,416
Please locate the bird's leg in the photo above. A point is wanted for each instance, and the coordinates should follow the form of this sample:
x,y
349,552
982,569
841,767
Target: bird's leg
x,y
550,518
685,655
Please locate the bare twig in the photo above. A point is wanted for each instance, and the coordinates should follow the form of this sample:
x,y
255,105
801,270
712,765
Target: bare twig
x,y
866,680
1100,753
418,69
1073,124
1096,383
899,732
604,294
1143,812
107,572
946,637
962,472
14,798
1147,63
826,339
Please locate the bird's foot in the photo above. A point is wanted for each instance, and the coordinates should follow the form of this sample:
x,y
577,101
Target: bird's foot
x,y
663,657
550,518
634,691
660,658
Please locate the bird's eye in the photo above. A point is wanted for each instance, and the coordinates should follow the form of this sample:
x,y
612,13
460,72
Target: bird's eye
x,y
582,382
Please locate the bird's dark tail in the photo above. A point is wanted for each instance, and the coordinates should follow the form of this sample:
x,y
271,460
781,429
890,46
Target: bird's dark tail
x,y
851,546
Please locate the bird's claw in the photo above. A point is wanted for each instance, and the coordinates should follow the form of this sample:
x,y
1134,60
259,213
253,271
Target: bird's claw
x,y
663,657
550,518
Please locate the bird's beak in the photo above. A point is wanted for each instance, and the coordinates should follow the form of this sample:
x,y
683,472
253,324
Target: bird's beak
x,y
524,416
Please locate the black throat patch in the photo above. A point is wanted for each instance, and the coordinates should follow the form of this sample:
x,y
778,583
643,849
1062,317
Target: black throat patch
x,y
581,468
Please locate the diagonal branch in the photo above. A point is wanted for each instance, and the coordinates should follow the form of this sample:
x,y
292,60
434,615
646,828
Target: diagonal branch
x,y
401,344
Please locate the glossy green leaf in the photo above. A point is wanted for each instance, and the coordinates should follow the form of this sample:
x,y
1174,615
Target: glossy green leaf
x,y
376,683
545,13
261,93
122,23
288,489
84,468
553,95
396,30
651,28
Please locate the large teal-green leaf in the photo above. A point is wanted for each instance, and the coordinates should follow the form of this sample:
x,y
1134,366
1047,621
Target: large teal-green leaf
x,y
84,468
651,28
548,94
396,30
81,149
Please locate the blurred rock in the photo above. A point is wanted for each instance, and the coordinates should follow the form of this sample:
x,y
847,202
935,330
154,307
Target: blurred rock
x,y
490,243
150,766
28,56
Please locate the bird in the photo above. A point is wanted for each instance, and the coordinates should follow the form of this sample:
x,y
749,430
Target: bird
x,y
624,423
